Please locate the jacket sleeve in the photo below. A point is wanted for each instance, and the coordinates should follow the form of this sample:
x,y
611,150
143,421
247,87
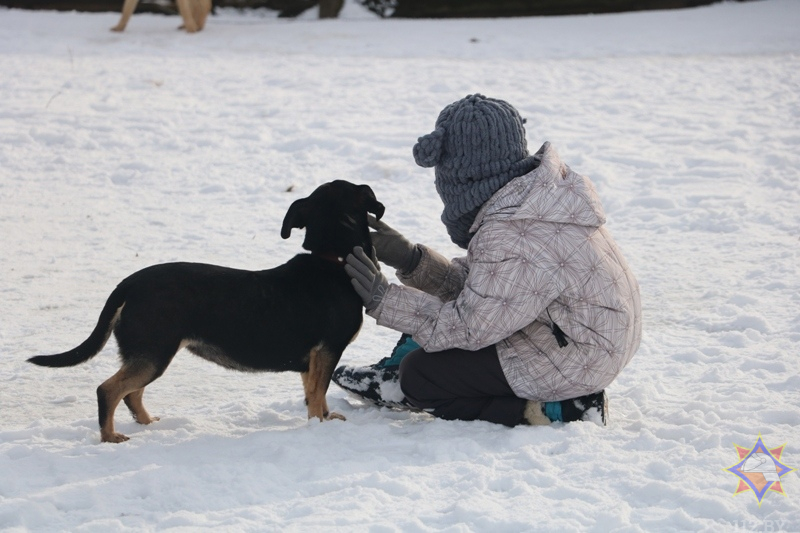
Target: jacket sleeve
x,y
503,292
436,275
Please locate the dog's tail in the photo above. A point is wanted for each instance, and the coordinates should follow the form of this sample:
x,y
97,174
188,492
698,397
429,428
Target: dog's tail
x,y
91,346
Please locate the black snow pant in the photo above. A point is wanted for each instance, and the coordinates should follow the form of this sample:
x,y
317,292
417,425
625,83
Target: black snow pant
x,y
460,385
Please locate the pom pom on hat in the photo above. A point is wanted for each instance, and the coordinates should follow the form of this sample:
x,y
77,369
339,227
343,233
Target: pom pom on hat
x,y
477,147
428,149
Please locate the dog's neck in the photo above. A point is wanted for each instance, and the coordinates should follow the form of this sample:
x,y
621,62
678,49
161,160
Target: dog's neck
x,y
337,255
329,256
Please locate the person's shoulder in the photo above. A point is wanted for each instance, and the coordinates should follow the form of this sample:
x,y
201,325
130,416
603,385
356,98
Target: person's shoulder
x,y
496,236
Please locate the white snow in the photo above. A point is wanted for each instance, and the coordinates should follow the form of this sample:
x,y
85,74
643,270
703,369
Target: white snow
x,y
118,151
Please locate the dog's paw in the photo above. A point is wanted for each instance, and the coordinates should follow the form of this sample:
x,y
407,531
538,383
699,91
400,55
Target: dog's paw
x,y
334,416
114,437
145,421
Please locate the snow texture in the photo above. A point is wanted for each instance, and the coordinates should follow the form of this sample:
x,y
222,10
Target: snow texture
x,y
118,151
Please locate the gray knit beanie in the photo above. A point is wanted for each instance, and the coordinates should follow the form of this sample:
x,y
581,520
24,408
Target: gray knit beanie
x,y
477,147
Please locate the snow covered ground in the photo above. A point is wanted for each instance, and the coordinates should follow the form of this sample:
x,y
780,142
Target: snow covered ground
x,y
118,151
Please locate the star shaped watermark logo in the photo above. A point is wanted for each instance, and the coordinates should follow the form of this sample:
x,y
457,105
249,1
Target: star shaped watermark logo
x,y
759,469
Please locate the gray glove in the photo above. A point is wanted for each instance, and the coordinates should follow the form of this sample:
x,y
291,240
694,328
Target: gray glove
x,y
366,278
392,248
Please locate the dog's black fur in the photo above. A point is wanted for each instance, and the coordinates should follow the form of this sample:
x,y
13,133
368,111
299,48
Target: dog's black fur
x,y
298,317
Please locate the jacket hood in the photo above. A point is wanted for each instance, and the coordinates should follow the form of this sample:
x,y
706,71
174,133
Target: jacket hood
x,y
551,192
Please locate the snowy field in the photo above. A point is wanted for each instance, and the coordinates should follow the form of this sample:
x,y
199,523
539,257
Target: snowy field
x,y
118,151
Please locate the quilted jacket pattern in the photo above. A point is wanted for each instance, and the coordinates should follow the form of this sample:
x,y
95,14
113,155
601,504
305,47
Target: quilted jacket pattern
x,y
540,256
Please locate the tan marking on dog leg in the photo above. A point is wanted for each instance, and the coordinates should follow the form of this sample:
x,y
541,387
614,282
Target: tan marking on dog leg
x,y
320,370
330,415
136,407
127,10
313,403
127,380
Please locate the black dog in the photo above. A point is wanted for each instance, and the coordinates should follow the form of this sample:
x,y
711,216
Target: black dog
x,y
297,317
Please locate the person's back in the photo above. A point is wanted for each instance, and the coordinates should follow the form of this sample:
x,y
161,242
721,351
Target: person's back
x,y
546,232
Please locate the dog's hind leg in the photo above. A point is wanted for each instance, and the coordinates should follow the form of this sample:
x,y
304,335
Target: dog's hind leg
x,y
315,382
131,378
136,407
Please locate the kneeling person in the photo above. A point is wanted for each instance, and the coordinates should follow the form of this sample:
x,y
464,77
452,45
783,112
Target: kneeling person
x,y
540,316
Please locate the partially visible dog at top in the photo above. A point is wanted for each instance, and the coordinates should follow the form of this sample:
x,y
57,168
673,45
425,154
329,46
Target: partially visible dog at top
x,y
193,12
299,316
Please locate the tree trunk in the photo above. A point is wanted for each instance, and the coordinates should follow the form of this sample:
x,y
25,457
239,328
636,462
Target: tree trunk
x,y
329,9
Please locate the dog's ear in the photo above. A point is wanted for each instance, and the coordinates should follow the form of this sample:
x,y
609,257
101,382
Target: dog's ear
x,y
372,204
295,217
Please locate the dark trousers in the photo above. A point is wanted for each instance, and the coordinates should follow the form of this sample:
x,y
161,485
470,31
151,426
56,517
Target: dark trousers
x,y
460,385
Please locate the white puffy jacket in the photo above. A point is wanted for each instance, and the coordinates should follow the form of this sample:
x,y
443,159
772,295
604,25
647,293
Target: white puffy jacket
x,y
541,269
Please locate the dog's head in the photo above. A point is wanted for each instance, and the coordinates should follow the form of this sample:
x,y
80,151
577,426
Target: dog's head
x,y
335,218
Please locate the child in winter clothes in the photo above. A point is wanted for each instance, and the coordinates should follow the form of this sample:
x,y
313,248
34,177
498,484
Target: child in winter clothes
x,y
539,317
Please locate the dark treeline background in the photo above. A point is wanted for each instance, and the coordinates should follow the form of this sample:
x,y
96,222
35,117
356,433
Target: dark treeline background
x,y
386,8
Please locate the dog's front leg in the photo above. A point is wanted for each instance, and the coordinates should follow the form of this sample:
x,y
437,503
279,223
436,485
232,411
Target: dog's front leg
x,y
315,384
316,407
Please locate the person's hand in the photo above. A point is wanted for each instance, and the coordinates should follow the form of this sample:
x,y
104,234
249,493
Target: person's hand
x,y
366,277
392,247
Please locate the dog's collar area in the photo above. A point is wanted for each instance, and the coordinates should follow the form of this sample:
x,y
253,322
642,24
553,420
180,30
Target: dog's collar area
x,y
333,258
